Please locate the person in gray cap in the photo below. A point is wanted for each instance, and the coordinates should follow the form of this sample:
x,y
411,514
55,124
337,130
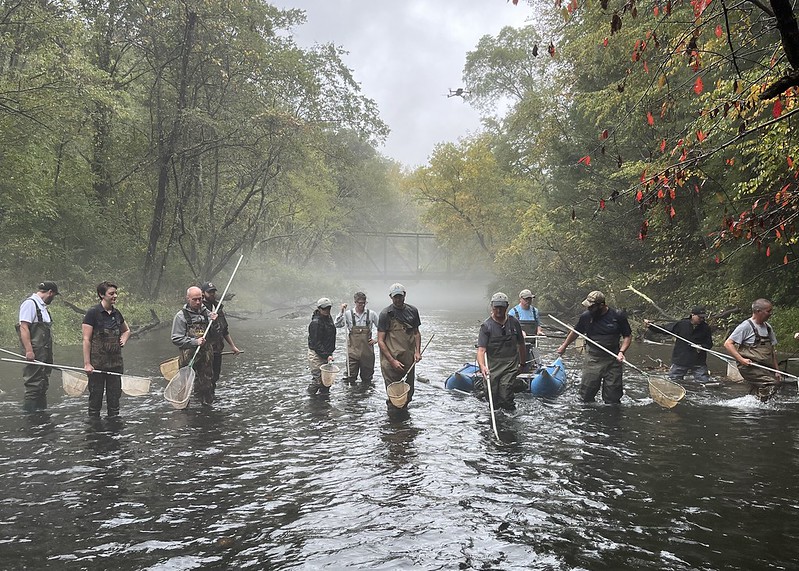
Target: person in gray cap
x,y
400,341
528,316
501,351
37,344
219,333
686,359
604,326
321,344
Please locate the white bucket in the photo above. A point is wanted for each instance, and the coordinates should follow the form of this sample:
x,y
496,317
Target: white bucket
x,y
329,373
74,383
398,393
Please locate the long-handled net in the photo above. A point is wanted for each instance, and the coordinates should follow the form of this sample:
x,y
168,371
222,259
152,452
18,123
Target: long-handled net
x,y
664,392
75,379
178,390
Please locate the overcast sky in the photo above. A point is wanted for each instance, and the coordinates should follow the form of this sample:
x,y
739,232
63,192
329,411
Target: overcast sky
x,y
407,54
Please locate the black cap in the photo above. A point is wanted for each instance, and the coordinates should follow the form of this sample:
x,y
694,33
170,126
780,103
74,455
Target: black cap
x,y
48,286
699,310
208,286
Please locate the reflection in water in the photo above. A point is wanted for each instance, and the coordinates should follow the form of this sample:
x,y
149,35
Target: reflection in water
x,y
269,478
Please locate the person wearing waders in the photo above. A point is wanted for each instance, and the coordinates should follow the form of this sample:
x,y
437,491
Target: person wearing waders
x,y
219,333
501,352
321,344
753,341
604,326
188,328
105,333
400,342
361,326
530,320
36,340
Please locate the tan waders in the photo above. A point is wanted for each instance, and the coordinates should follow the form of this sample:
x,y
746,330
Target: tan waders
x,y
361,355
401,344
503,361
762,383
36,377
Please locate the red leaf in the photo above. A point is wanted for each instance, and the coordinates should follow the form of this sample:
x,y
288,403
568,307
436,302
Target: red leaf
x,y
785,259
551,49
718,260
700,136
777,110
602,204
768,251
605,42
604,135
586,160
650,119
671,212
699,87
639,196
672,193
643,176
790,162
719,31
663,145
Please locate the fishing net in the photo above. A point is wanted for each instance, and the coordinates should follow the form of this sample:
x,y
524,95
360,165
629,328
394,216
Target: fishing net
x,y
664,392
74,383
170,368
135,386
329,373
398,393
178,391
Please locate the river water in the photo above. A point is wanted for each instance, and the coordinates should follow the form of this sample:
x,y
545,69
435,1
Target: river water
x,y
270,478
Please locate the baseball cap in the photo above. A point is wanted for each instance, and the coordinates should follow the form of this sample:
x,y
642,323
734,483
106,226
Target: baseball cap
x,y
323,303
499,299
699,310
525,293
48,286
396,289
208,286
593,298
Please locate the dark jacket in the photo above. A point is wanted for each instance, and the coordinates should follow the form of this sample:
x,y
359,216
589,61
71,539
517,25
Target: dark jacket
x,y
683,354
322,335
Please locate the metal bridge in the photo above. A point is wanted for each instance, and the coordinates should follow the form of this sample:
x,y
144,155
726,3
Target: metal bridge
x,y
396,256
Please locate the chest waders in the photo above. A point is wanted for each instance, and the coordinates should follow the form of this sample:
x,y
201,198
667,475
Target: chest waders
x,y
401,343
36,377
360,353
105,354
761,382
601,370
503,358
203,363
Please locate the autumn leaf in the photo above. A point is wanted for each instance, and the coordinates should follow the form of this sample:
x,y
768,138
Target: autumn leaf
x,y
768,251
602,204
586,160
785,260
719,31
672,213
777,110
639,196
699,86
650,119
604,135
790,162
551,49
663,145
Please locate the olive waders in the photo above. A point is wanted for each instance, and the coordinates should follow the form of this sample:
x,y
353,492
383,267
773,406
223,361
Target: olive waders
x,y
36,377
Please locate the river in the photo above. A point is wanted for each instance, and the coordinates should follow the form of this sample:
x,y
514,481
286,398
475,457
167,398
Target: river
x,y
270,478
